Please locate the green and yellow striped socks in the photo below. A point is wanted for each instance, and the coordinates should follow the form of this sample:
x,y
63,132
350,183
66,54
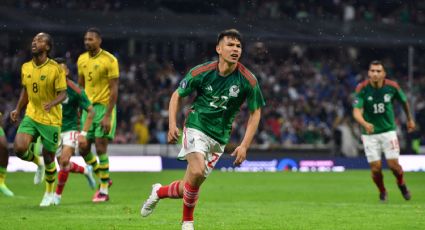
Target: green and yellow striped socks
x,y
104,172
50,176
92,160
30,156
2,175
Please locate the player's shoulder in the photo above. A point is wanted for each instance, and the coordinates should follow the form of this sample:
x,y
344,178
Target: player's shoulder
x,y
28,64
73,86
108,56
54,66
247,74
362,85
392,83
203,68
83,57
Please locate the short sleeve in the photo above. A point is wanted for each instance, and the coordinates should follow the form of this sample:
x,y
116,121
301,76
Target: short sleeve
x,y
80,67
188,84
358,100
255,98
60,81
84,100
23,76
113,70
400,95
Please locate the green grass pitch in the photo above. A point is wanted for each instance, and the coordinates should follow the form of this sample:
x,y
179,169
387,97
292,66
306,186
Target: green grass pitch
x,y
288,200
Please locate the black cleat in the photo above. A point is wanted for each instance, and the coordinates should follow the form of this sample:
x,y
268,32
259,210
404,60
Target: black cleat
x,y
383,197
405,192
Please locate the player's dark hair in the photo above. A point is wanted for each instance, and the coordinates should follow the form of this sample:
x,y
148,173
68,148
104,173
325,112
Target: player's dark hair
x,y
49,41
95,30
232,33
60,60
376,62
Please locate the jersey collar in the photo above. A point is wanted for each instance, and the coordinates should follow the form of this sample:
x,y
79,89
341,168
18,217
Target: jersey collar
x,y
39,66
97,55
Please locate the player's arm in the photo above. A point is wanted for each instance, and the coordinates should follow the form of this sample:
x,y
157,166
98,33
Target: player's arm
x,y
22,102
410,121
358,116
240,151
61,96
173,109
113,89
81,80
82,140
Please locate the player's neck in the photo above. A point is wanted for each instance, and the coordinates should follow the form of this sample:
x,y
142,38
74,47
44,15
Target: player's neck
x,y
226,68
94,52
40,59
378,84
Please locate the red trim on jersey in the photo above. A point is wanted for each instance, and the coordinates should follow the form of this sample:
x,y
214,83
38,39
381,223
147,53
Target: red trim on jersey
x,y
392,83
73,86
361,85
248,75
204,68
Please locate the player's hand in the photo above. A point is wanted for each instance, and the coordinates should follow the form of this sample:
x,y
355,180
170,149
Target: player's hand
x,y
82,142
173,135
240,154
369,128
14,115
47,106
411,125
106,124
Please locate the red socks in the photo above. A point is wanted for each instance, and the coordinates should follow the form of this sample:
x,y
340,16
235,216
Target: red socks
x,y
62,178
169,191
76,168
190,196
399,176
378,178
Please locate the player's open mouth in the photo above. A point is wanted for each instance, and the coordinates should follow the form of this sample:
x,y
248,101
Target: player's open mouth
x,y
234,55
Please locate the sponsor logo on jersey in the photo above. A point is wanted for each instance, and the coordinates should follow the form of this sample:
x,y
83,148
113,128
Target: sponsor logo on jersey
x,y
233,91
387,98
29,76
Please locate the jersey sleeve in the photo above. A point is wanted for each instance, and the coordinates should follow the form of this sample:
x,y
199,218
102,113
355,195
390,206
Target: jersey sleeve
x,y
84,100
113,69
358,100
188,84
255,98
60,81
80,67
23,75
400,95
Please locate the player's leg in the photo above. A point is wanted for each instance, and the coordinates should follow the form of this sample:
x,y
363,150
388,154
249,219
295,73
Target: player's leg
x,y
23,145
101,149
4,160
392,153
372,147
64,164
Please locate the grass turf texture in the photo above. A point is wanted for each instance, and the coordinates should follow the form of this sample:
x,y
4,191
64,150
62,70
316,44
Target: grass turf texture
x,y
286,200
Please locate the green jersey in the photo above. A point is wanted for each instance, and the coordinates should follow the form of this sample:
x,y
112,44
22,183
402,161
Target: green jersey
x,y
219,98
76,98
377,104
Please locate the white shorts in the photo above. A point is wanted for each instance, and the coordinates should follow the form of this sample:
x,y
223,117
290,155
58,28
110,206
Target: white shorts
x,y
375,144
69,138
196,141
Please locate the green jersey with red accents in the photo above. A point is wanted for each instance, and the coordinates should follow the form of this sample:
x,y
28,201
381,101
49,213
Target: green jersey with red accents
x,y
76,99
219,98
377,104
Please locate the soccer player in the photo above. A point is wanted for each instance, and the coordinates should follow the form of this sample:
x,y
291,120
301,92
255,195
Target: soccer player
x,y
373,110
70,135
98,73
44,88
4,160
222,87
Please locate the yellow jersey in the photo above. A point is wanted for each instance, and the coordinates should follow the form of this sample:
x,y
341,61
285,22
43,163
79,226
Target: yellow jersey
x,y
97,71
42,83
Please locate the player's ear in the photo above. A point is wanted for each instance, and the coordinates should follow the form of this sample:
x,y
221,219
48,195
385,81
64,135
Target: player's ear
x,y
218,48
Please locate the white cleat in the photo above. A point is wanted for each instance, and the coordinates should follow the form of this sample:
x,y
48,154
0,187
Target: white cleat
x,y
187,225
39,174
57,199
89,176
48,199
151,202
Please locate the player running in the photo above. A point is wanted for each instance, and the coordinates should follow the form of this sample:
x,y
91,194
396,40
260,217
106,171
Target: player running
x,y
44,88
373,110
70,136
222,87
98,73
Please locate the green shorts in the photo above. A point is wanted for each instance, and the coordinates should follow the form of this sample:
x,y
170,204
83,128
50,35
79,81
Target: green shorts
x,y
49,134
96,130
1,132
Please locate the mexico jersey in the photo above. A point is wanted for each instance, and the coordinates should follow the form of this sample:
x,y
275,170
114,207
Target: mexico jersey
x,y
42,84
219,98
97,71
76,98
377,104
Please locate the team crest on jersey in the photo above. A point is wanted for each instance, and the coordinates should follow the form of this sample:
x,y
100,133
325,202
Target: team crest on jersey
x,y
387,98
183,84
43,77
233,91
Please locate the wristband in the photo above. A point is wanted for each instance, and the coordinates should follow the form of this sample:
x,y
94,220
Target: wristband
x,y
83,133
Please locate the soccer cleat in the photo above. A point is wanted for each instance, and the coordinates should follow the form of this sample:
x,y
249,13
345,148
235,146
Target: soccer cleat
x,y
100,197
5,190
187,225
89,176
150,203
57,199
39,174
383,197
405,192
48,199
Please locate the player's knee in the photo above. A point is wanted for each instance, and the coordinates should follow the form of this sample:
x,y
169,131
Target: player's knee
x,y
19,148
375,169
197,172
